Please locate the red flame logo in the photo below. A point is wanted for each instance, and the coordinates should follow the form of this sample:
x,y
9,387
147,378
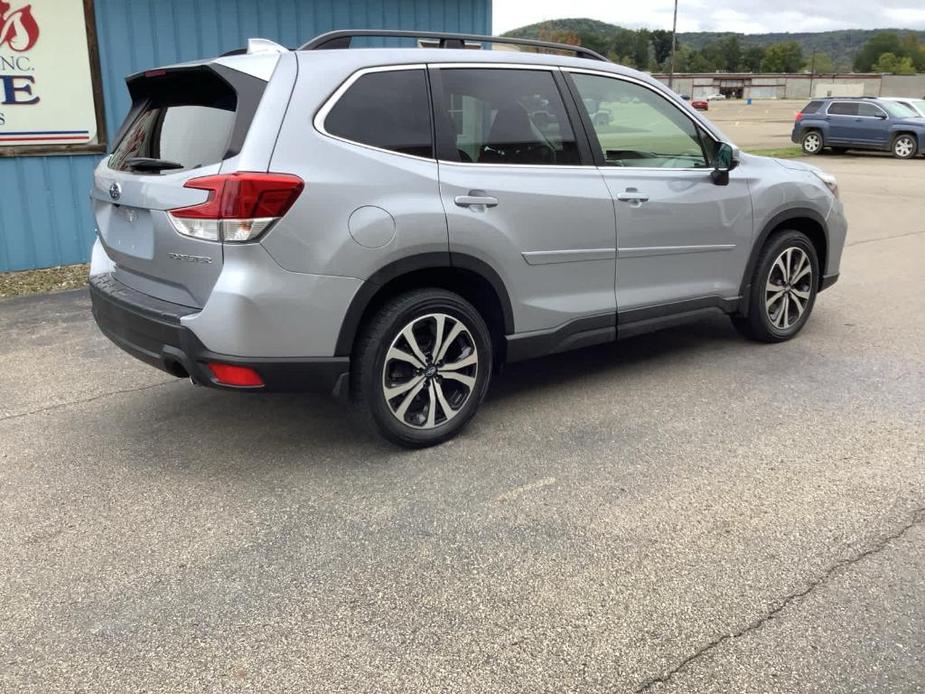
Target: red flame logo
x,y
18,28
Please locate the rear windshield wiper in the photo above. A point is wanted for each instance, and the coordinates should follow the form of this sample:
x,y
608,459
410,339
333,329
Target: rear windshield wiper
x,y
148,164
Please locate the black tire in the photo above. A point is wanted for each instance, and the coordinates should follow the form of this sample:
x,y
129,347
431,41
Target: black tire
x,y
812,143
420,310
904,146
768,322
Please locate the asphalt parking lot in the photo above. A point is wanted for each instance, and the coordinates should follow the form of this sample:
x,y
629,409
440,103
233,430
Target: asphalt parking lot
x,y
683,512
759,125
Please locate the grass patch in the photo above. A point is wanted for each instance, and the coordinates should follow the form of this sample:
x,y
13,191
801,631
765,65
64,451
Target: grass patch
x,y
52,279
779,152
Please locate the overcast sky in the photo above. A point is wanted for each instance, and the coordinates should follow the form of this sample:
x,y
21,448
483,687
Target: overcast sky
x,y
747,16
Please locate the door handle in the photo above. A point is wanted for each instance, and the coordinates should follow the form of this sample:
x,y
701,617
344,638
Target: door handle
x,y
633,196
476,198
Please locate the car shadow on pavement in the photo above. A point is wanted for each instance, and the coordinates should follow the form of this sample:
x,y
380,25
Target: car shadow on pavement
x,y
852,154
237,432
610,359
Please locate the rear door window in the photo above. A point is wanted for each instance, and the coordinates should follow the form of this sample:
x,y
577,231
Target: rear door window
x,y
187,118
843,108
507,116
389,110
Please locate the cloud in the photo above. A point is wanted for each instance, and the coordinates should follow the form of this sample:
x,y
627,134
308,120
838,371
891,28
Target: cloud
x,y
747,16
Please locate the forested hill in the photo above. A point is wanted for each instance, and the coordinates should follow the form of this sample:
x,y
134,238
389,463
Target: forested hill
x,y
841,46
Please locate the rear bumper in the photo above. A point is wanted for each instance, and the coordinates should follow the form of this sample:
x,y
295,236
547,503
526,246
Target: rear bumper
x,y
150,330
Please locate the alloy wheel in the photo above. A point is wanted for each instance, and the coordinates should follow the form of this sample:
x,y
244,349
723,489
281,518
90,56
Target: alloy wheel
x,y
904,147
812,143
430,371
789,288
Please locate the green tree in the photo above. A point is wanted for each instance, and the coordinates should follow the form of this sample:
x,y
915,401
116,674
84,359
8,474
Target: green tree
x,y
689,60
820,65
842,46
751,59
730,51
877,45
661,44
642,49
889,62
636,45
914,50
713,56
786,56
560,36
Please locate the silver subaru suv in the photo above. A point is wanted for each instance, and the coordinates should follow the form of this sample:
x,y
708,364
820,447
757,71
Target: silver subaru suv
x,y
394,224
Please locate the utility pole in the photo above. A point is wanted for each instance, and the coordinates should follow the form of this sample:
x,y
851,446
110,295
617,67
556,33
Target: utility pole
x,y
812,73
674,43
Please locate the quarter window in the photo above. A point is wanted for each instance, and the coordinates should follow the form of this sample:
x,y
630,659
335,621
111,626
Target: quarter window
x,y
635,126
812,107
502,116
389,110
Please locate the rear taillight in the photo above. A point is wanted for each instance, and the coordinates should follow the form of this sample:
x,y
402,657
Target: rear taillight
x,y
240,207
798,117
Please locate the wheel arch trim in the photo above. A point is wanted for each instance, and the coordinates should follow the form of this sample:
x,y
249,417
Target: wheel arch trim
x,y
368,291
772,225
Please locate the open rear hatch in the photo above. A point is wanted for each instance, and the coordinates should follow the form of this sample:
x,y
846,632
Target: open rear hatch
x,y
184,123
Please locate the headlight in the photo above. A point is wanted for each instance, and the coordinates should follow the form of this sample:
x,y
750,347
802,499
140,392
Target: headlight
x,y
830,181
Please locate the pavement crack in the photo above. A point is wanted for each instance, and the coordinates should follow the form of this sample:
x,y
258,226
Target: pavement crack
x,y
886,238
917,517
100,396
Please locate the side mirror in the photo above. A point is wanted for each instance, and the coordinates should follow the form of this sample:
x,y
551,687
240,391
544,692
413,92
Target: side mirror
x,y
725,159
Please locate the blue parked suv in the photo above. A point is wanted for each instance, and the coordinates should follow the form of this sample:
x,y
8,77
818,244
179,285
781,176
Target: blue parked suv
x,y
859,123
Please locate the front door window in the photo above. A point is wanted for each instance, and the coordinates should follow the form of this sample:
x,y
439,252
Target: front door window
x,y
634,126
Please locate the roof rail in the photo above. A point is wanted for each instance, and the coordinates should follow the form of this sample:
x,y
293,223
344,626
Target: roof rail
x,y
343,38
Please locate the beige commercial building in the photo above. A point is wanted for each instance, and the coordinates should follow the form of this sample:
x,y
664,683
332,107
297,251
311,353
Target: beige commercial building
x,y
795,86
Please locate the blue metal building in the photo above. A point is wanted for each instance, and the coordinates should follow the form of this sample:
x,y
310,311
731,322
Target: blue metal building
x,y
45,217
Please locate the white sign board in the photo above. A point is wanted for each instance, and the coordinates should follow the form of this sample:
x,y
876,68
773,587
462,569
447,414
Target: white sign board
x,y
46,80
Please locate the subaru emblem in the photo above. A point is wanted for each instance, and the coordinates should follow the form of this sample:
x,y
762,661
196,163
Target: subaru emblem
x,y
115,191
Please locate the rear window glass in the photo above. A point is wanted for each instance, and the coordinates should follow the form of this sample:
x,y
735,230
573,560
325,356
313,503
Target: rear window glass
x,y
812,107
843,108
187,118
389,110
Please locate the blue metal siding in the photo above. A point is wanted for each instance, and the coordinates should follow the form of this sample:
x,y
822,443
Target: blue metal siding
x,y
45,216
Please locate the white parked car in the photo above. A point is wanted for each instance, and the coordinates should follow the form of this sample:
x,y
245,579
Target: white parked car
x,y
917,105
716,97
